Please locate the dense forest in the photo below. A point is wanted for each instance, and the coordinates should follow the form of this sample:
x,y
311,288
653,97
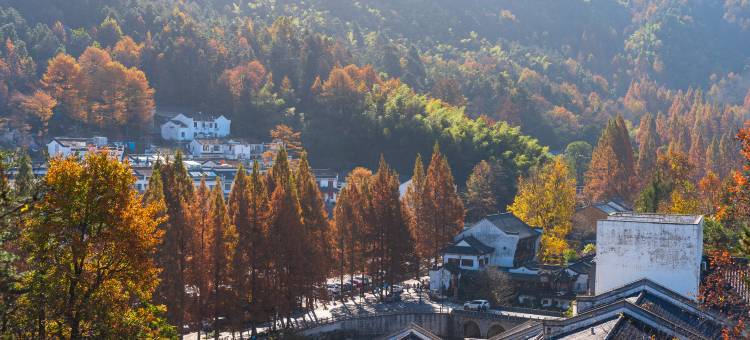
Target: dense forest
x,y
535,107
396,75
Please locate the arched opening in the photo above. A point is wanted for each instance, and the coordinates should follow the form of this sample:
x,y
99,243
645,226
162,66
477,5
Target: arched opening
x,y
471,330
495,330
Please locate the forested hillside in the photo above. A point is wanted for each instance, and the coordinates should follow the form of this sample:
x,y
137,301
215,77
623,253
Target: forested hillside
x,y
398,75
537,107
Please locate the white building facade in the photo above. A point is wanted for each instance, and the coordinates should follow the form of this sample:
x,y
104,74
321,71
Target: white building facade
x,y
183,128
229,149
665,249
65,147
513,242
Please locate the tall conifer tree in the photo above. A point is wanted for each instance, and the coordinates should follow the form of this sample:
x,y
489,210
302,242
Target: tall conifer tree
x,y
444,209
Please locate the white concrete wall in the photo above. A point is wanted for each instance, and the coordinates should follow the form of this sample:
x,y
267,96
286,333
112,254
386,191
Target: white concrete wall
x,y
489,234
668,254
223,126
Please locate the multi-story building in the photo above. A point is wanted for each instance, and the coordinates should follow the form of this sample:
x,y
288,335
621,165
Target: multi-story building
x,y
185,128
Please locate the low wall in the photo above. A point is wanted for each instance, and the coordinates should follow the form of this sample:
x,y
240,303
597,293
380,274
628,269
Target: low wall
x,y
440,324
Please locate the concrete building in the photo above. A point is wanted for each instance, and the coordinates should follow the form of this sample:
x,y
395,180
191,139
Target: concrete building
x,y
665,249
184,128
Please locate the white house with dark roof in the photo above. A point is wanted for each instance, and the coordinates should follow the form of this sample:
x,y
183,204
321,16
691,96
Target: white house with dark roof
x,y
513,241
184,128
467,253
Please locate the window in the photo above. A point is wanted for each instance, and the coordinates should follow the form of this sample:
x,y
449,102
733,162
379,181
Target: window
x,y
182,134
195,124
453,261
216,148
205,148
467,263
227,186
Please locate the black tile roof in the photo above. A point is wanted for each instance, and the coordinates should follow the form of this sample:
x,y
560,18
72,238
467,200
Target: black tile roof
x,y
475,247
699,323
631,328
510,224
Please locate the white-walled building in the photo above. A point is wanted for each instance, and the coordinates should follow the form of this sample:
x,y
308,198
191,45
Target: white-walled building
x,y
329,184
467,253
513,242
665,249
66,146
185,128
228,149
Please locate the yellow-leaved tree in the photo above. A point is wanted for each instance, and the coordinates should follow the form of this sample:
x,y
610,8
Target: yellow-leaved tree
x,y
91,243
546,199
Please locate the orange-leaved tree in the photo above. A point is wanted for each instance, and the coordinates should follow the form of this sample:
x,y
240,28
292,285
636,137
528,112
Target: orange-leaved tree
x,y
92,243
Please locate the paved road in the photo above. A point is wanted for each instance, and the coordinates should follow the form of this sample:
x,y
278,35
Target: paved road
x,y
357,306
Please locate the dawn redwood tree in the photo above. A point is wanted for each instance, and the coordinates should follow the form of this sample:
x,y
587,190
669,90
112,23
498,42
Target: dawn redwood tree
x,y
392,247
223,243
173,254
413,203
200,254
248,206
648,142
611,172
286,243
444,210
351,216
317,230
480,198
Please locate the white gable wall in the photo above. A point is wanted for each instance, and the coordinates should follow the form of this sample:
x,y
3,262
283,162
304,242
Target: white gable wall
x,y
489,234
668,254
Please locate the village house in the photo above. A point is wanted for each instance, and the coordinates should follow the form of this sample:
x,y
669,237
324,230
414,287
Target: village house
x,y
228,149
328,183
513,241
585,218
185,128
499,240
66,146
553,286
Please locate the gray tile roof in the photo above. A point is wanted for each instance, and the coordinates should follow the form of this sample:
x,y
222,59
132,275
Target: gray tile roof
x,y
510,224
475,247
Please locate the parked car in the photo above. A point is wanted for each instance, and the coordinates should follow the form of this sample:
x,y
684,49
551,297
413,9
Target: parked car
x,y
398,289
395,297
477,305
334,288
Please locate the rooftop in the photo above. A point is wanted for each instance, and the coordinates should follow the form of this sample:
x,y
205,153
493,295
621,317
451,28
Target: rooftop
x,y
510,224
655,218
612,207
468,246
